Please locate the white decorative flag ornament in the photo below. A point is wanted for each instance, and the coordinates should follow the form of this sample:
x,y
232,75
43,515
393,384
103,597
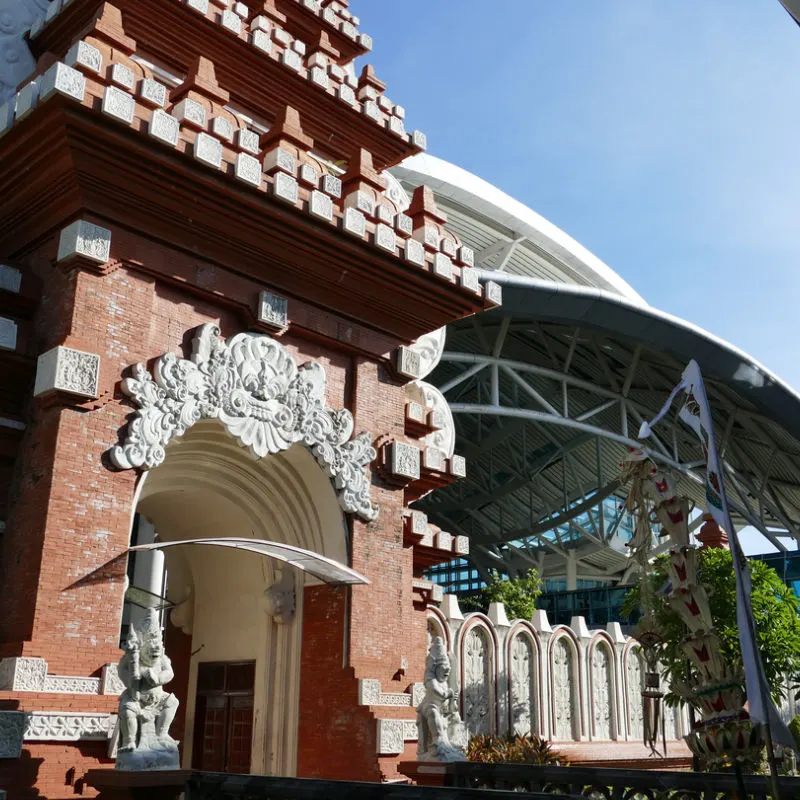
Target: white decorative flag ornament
x,y
696,413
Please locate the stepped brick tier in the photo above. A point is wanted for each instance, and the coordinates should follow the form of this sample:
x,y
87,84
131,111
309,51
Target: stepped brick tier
x,y
217,311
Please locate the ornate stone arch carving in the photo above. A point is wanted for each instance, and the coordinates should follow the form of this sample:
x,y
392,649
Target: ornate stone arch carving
x,y
478,661
565,686
251,384
602,688
437,626
633,676
524,680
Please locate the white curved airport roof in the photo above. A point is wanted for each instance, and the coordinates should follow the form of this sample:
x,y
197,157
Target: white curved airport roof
x,y
505,234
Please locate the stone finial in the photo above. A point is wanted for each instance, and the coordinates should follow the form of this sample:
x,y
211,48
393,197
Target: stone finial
x,y
580,628
711,535
287,129
614,630
497,614
108,27
369,78
540,622
450,607
361,173
423,207
202,79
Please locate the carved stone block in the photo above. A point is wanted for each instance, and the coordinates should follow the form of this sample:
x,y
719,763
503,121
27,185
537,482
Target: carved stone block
x,y
299,47
320,205
419,139
409,363
10,278
292,59
403,224
419,523
71,684
8,333
493,292
260,23
273,310
63,369
370,109
319,76
58,726
208,150
442,266
247,140
346,93
281,160
415,412
63,80
469,280
152,92
396,126
22,674
12,731
443,541
84,56
458,466
308,175
285,187
461,545
121,75
417,693
385,238
282,36
231,21
261,39
191,113
110,682
222,128
118,104
365,40
466,255
248,169
198,5
391,736
331,185
404,460
415,252
448,246
384,213
354,222
369,690
362,201
400,112
242,10
164,127
84,240
6,117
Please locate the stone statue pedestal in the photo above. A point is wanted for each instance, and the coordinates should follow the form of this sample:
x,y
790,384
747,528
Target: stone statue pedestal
x,y
116,784
152,753
424,773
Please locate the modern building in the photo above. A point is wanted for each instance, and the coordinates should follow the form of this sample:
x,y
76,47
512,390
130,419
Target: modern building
x,y
223,319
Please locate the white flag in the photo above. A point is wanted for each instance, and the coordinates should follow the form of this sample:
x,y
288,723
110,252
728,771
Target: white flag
x,y
696,413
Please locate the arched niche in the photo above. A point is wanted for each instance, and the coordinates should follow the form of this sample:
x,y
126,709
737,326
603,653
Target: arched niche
x,y
209,486
524,681
602,672
565,686
478,666
633,677
437,626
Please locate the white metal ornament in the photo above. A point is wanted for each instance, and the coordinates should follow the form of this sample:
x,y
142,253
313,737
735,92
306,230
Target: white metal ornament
x,y
251,384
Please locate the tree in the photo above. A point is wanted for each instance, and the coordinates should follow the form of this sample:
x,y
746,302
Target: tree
x,y
518,595
775,611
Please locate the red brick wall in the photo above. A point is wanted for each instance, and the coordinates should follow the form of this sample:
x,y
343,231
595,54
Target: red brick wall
x,y
70,513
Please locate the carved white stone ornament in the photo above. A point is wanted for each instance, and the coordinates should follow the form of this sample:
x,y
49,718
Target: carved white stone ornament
x,y
564,691
602,689
280,598
251,384
64,369
19,674
84,239
427,395
477,678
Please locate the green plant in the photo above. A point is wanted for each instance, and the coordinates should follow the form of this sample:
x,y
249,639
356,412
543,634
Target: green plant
x,y
527,749
518,595
775,611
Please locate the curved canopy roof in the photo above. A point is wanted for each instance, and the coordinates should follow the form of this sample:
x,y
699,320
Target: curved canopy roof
x,y
548,393
505,234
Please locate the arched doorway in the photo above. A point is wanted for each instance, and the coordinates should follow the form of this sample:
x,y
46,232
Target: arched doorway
x,y
210,486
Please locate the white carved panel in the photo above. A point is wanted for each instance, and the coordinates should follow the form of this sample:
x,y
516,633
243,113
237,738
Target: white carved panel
x,y
110,681
635,684
68,684
64,369
23,674
565,692
478,679
251,384
67,727
602,692
391,736
522,669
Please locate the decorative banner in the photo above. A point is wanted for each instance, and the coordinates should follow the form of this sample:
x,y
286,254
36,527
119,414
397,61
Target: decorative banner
x,y
696,413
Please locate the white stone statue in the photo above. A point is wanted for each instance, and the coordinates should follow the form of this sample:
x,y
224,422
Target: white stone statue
x,y
145,710
442,735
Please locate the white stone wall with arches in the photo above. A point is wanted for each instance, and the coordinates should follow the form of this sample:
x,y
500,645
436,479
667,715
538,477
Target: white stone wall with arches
x,y
566,683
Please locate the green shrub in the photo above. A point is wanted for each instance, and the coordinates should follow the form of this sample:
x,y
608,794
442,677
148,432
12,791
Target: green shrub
x,y
528,749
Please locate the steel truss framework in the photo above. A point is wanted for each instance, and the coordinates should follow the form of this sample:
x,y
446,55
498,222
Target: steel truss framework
x,y
545,413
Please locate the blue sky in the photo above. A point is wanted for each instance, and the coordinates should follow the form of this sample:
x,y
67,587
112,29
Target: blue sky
x,y
664,135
